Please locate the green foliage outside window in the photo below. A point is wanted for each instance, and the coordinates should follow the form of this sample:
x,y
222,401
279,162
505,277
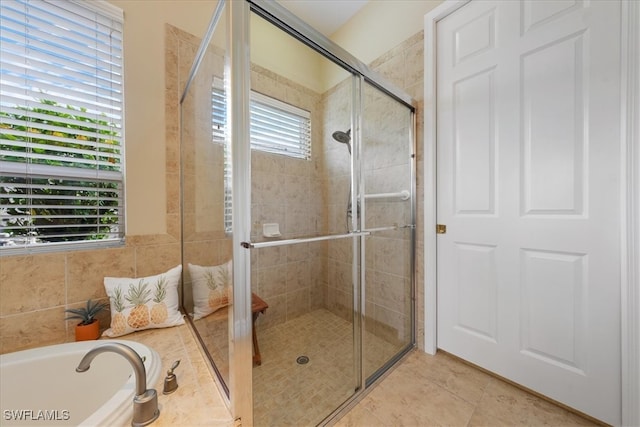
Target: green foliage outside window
x,y
58,209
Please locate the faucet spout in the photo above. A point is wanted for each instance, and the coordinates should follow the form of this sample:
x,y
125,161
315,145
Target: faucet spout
x,y
125,351
145,403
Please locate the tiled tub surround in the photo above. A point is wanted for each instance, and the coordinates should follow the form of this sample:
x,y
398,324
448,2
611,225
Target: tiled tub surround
x,y
197,401
36,289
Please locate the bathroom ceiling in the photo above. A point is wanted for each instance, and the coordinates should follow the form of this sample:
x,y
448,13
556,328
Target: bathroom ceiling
x,y
326,16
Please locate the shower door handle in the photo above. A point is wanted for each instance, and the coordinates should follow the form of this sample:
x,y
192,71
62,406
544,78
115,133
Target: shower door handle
x,y
258,245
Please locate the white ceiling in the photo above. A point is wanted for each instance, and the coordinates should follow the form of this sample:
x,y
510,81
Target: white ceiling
x,y
325,16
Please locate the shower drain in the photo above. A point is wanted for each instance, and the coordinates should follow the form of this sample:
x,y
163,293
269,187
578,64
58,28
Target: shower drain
x,y
302,360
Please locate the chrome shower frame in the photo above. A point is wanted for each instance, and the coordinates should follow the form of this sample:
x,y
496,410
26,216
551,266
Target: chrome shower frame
x,y
292,25
237,82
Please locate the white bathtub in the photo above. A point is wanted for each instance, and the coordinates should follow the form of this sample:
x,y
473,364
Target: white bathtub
x,y
40,387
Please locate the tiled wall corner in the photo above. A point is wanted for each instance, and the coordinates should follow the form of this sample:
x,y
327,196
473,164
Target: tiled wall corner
x,y
36,289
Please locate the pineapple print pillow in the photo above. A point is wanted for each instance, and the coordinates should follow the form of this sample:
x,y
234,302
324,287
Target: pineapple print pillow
x,y
211,287
143,303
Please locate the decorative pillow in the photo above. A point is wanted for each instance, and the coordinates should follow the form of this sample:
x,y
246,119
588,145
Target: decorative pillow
x,y
143,303
211,287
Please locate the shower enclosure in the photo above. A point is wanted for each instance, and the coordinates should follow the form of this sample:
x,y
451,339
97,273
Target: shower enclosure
x,y
298,215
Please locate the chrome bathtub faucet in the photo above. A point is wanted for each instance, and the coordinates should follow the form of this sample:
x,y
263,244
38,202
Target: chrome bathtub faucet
x,y
145,402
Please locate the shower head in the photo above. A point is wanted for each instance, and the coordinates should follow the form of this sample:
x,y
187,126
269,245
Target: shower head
x,y
343,138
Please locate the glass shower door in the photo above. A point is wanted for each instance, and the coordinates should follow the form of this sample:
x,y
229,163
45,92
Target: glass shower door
x,y
297,194
388,166
304,257
203,173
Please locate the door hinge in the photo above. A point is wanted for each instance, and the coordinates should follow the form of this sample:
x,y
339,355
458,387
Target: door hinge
x,y
441,229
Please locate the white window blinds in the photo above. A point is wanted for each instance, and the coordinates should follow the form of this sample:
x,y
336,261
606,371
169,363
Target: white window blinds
x,y
279,128
61,119
275,127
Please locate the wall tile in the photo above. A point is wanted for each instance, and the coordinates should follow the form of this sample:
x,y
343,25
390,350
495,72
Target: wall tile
x,y
152,260
86,271
275,314
298,276
173,193
31,282
32,329
414,63
271,282
297,303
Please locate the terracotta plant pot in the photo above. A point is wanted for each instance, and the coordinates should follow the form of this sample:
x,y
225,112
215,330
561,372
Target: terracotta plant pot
x,y
88,332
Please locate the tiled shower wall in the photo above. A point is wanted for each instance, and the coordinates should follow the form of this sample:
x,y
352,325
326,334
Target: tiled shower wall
x,y
404,67
386,167
285,190
289,192
386,163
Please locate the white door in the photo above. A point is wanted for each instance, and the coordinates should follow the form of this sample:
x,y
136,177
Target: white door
x,y
528,136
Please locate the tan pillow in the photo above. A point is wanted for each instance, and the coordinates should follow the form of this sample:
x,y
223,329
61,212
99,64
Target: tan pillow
x,y
143,303
211,287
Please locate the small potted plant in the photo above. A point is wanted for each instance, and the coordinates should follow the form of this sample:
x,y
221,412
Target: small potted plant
x,y
89,326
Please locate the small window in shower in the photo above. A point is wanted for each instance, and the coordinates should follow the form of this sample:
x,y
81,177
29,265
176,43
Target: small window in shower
x,y
279,128
276,127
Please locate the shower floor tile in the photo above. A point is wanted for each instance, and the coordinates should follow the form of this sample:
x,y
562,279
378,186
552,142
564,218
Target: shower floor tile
x,y
287,393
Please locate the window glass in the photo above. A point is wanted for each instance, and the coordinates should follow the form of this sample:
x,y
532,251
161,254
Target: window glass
x,y
61,118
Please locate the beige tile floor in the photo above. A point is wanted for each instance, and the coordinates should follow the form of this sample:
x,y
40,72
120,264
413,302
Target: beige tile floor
x,y
424,390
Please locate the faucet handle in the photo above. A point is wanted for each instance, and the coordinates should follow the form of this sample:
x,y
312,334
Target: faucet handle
x,y
171,381
173,367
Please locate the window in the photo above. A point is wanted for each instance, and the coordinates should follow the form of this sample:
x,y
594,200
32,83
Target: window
x,y
275,127
61,118
279,128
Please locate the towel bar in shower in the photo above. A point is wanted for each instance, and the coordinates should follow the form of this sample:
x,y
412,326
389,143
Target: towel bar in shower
x,y
258,245
402,195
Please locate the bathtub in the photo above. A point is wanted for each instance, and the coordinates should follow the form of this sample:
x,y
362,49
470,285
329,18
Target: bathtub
x,y
40,387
